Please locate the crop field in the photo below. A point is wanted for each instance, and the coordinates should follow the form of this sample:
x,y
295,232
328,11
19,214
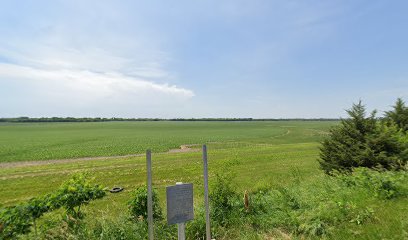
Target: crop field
x,y
254,145
36,158
41,141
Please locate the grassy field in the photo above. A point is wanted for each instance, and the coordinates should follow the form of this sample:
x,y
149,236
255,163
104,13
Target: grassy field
x,y
260,154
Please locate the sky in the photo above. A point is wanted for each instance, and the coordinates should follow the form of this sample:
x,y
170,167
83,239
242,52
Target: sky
x,y
202,58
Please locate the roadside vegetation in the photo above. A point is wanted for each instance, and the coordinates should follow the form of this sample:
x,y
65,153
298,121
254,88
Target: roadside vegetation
x,y
325,208
360,192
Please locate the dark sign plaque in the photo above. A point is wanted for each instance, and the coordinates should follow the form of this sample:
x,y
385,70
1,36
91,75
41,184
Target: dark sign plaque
x,y
180,206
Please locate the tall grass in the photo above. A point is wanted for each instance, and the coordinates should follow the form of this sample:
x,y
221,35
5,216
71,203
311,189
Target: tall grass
x,y
330,207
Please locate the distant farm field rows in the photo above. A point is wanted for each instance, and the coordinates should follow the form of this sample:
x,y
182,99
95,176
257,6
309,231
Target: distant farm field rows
x,y
46,141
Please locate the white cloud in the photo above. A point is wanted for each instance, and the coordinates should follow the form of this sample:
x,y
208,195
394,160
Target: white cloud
x,y
93,63
87,83
91,82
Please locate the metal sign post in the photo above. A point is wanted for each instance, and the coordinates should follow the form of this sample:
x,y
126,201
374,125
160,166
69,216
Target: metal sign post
x,y
207,207
181,227
149,194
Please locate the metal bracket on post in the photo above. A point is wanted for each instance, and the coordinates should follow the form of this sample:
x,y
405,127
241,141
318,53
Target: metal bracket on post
x,y
207,207
149,194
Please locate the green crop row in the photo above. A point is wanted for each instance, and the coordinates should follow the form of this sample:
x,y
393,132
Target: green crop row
x,y
43,141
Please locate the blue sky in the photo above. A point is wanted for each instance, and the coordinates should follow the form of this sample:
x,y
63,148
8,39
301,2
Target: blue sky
x,y
261,59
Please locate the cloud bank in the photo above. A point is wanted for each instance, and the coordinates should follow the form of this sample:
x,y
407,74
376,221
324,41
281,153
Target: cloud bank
x,y
71,91
40,79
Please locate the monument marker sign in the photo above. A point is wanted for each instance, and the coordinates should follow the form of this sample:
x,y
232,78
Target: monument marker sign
x,y
180,207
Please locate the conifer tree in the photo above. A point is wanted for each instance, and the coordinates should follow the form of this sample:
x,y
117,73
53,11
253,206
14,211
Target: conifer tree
x,y
399,115
361,141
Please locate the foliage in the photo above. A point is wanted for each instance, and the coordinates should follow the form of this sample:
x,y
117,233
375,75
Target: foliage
x,y
398,116
101,229
138,204
221,198
361,141
19,219
383,184
196,228
36,207
14,221
120,229
77,191
314,209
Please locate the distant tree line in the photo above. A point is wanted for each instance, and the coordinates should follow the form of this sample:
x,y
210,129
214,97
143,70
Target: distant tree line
x,y
98,119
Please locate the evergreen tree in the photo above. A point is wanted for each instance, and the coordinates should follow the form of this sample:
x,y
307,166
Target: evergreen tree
x,y
399,115
361,141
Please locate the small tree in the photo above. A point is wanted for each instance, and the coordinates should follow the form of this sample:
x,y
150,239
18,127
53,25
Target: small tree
x,y
361,141
19,219
77,191
138,204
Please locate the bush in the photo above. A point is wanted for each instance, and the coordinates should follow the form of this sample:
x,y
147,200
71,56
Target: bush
x,y
221,198
196,229
19,219
36,207
77,191
14,222
383,184
138,204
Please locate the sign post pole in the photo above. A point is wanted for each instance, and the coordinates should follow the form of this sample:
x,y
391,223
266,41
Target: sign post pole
x,y
181,231
181,227
149,194
207,207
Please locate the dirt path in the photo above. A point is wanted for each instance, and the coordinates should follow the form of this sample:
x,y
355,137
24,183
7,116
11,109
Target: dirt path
x,y
183,148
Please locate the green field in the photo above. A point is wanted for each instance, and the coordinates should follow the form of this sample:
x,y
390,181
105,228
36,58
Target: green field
x,y
40,141
271,149
260,154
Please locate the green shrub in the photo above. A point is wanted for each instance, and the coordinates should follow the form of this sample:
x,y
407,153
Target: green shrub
x,y
19,219
383,184
14,222
221,198
36,207
138,204
196,229
76,192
